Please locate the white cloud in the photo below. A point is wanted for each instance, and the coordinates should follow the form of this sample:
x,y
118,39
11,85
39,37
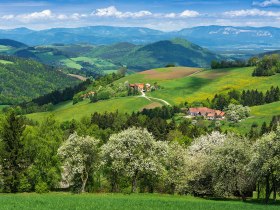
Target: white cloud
x,y
267,3
252,13
44,15
112,11
189,13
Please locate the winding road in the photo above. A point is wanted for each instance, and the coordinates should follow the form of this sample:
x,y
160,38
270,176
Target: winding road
x,y
143,94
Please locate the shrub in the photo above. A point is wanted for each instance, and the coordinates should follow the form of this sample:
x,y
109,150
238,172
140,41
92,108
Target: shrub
x,y
41,187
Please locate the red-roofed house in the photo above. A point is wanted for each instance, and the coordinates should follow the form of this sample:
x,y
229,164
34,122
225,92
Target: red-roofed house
x,y
137,86
209,114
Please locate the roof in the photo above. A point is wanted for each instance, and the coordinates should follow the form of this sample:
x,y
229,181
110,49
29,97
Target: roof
x,y
207,112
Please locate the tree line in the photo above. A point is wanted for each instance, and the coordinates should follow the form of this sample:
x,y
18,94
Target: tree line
x,y
101,154
246,98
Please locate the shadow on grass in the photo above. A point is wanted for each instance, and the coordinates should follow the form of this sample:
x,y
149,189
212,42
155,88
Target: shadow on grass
x,y
249,201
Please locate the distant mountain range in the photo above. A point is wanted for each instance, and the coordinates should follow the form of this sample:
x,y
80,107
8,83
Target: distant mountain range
x,y
93,58
223,38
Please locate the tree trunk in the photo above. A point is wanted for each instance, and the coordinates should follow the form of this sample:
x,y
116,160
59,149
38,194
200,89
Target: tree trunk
x,y
84,178
274,194
114,187
134,183
258,191
267,189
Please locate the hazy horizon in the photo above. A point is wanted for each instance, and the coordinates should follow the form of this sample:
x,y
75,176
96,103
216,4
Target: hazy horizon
x,y
160,15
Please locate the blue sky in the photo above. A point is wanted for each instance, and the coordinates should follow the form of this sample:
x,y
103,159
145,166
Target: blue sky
x,y
158,14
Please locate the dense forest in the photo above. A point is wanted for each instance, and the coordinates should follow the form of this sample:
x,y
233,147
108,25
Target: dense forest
x,y
22,80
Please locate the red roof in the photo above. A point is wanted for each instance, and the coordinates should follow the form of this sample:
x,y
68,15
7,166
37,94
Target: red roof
x,y
207,112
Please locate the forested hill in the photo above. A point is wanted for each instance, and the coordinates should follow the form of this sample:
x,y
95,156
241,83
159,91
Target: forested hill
x,y
176,51
12,43
155,55
23,79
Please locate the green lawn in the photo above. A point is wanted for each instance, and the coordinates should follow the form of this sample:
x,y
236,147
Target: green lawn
x,y
61,201
67,111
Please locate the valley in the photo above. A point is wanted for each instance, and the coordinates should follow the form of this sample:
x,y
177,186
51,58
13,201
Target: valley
x,y
140,105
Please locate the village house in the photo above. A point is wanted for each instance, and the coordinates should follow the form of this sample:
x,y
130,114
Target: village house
x,y
87,95
142,87
209,114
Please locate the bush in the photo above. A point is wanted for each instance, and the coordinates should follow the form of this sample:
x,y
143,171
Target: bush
x,y
41,187
24,185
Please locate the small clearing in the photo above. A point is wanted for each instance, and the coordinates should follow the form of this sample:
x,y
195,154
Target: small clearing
x,y
78,77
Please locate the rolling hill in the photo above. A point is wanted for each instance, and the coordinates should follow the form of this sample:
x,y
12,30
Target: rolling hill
x,y
108,58
177,51
178,85
22,80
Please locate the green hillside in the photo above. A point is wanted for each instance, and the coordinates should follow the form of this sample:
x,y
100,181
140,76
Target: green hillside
x,y
89,60
22,80
178,85
178,51
204,84
68,111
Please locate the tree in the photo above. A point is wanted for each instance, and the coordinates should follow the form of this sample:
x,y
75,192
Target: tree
x,y
133,153
265,163
41,144
80,159
229,167
176,168
199,174
235,113
11,157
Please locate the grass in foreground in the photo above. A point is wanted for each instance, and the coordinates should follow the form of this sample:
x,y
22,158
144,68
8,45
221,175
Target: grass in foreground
x,y
61,201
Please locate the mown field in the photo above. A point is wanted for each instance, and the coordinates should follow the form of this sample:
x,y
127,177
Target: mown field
x,y
203,84
60,201
67,111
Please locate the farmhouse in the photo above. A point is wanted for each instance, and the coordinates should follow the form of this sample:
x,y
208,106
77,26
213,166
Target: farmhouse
x,y
207,113
141,87
87,95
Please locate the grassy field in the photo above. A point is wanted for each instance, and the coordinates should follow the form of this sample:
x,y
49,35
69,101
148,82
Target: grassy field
x,y
4,48
190,86
5,62
259,114
67,111
62,201
180,84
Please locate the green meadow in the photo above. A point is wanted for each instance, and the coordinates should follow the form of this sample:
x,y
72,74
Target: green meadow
x,y
5,62
58,201
67,111
176,88
205,84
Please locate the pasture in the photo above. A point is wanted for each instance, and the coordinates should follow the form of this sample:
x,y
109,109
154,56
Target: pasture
x,y
259,114
179,84
207,83
61,201
5,62
68,111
